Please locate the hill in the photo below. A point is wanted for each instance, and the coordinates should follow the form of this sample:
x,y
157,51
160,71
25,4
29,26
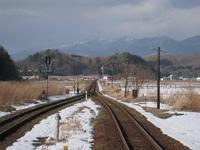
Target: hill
x,y
178,65
65,64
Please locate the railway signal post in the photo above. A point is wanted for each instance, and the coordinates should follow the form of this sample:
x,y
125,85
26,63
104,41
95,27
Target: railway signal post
x,y
48,63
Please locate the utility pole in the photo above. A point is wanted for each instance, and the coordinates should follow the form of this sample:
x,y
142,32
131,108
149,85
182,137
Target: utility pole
x,y
158,79
158,74
47,79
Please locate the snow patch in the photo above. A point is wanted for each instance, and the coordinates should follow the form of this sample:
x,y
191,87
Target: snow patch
x,y
2,113
26,105
75,138
59,97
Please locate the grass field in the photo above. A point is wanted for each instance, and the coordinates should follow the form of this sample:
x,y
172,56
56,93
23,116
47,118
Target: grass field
x,y
15,92
24,91
116,93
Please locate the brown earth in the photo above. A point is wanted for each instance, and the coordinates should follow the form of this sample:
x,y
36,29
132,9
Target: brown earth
x,y
105,133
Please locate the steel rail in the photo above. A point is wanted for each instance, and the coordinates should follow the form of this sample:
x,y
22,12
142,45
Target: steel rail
x,y
20,113
150,138
116,122
13,125
147,135
12,122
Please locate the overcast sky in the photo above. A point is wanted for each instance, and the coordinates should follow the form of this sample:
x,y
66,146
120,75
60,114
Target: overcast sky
x,y
35,24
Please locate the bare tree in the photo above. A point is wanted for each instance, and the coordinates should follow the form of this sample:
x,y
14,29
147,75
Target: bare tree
x,y
139,76
126,75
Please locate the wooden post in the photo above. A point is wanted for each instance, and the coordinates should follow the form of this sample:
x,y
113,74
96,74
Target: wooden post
x,y
57,126
86,95
65,147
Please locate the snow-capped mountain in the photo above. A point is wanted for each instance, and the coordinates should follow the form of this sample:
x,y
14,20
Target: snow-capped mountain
x,y
142,47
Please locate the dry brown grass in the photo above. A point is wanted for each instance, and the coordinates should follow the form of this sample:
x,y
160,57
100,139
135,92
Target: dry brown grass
x,y
189,102
24,91
83,84
116,93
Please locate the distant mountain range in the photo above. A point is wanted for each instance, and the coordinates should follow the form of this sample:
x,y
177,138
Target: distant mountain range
x,y
141,47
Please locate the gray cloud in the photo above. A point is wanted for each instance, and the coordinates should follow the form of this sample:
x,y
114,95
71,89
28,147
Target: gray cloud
x,y
50,23
185,3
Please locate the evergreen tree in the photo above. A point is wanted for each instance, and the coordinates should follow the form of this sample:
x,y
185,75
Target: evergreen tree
x,y
8,70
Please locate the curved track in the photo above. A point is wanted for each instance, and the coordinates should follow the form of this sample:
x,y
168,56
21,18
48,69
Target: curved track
x,y
132,134
10,123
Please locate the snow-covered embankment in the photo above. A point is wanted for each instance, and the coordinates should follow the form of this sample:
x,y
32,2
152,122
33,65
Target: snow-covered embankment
x,y
75,129
184,128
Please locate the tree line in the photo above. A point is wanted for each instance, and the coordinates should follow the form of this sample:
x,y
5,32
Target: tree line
x,y
8,70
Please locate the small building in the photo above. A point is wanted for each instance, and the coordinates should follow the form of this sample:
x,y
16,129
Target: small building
x,y
105,77
33,77
170,77
91,77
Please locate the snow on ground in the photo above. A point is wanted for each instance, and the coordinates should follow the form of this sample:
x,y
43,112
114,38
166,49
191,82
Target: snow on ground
x,y
59,97
75,129
37,102
2,113
154,105
27,105
184,128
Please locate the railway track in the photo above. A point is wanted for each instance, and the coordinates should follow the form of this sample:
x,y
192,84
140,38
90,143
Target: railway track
x,y
132,134
10,123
